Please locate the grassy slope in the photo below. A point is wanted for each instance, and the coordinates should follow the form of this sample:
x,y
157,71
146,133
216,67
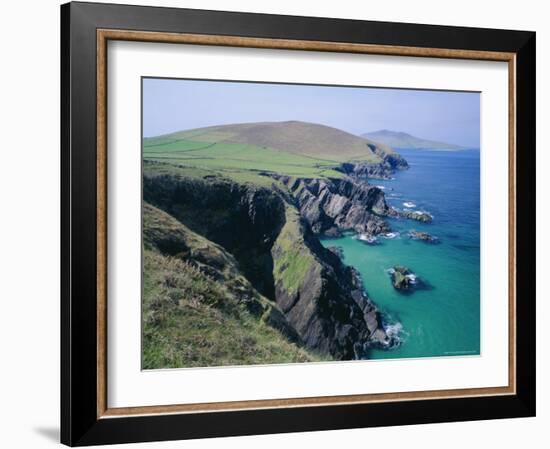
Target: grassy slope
x,y
231,157
306,139
294,261
191,319
292,148
154,167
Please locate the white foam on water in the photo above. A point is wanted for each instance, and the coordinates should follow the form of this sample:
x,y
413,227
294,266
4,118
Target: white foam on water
x,y
424,212
390,235
393,329
367,238
395,333
411,277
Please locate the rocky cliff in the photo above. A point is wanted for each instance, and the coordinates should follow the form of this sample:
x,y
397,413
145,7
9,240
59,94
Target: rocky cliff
x,y
384,170
389,157
331,206
198,308
323,298
268,231
242,219
391,161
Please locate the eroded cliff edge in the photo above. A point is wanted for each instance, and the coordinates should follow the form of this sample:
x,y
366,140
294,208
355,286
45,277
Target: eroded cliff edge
x,y
331,206
390,161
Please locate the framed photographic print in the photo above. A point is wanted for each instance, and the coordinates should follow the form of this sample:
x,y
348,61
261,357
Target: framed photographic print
x,y
278,224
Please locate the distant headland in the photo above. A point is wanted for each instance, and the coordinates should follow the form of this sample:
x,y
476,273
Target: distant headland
x,y
401,140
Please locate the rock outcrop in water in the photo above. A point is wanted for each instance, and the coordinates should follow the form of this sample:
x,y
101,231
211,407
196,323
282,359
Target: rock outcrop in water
x,y
424,217
402,278
423,236
274,246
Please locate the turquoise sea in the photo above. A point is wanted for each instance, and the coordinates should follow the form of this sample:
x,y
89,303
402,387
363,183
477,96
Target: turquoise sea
x,y
443,317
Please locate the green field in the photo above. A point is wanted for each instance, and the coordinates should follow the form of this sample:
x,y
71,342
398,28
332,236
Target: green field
x,y
232,157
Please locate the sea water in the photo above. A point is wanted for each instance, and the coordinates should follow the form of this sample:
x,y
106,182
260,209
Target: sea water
x,y
441,318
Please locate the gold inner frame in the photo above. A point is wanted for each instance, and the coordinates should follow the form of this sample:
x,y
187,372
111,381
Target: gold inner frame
x,y
104,35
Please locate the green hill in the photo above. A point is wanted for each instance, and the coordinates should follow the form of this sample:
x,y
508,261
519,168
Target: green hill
x,y
243,150
403,140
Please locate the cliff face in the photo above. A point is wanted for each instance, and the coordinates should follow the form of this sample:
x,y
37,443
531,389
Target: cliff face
x,y
244,220
275,248
198,308
391,158
376,171
391,161
335,205
171,238
320,296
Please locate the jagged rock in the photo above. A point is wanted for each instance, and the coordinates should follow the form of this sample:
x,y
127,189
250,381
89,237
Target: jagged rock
x,y
391,158
332,232
418,215
366,171
331,206
402,278
319,295
383,170
424,236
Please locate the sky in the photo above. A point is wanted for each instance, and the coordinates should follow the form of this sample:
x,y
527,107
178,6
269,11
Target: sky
x,y
171,105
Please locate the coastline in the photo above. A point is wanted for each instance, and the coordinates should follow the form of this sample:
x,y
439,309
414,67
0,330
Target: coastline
x,y
273,227
443,316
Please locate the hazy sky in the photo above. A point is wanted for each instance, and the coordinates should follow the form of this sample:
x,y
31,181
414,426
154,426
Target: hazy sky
x,y
175,105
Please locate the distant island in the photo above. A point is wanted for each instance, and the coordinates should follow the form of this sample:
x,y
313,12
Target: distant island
x,y
401,140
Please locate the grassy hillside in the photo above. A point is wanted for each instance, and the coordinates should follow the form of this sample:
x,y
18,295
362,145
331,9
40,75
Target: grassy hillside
x,y
198,310
159,167
406,141
236,158
295,261
306,139
292,148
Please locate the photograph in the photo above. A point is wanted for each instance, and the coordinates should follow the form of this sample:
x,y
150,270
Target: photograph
x,y
291,223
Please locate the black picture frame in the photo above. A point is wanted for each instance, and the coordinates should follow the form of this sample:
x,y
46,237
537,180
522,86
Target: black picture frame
x,y
80,424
